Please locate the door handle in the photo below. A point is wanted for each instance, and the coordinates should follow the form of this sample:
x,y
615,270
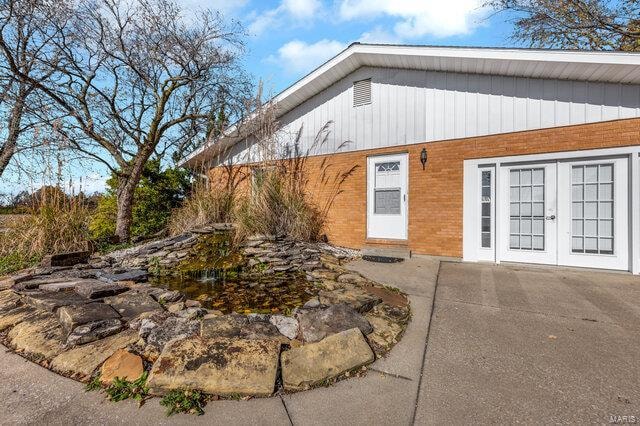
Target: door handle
x,y
551,217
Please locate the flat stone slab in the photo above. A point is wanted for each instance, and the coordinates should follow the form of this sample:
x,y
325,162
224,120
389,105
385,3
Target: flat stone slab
x,y
171,329
217,366
8,300
224,326
62,285
72,316
16,315
80,363
387,324
360,300
318,323
135,275
96,289
132,304
314,363
96,330
122,364
52,301
65,259
40,337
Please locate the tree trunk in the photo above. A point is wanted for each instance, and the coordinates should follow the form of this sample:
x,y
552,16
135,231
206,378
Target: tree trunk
x,y
124,217
8,148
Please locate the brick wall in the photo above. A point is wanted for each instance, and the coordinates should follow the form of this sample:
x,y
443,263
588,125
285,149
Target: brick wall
x,y
435,194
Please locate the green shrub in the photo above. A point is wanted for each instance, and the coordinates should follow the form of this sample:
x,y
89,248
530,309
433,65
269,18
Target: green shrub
x,y
184,401
157,194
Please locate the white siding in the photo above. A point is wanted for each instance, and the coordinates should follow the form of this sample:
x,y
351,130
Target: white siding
x,y
413,106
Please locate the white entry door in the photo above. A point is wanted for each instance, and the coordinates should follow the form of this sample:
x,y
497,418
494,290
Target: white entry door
x,y
593,212
528,225
387,197
570,213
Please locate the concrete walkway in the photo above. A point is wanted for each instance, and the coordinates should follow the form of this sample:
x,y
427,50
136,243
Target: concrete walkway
x,y
30,394
505,345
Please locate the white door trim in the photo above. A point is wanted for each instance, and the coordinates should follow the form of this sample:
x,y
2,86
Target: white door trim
x,y
388,227
471,238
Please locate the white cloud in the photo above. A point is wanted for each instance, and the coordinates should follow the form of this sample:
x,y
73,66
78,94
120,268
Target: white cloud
x,y
227,7
298,10
379,35
418,18
301,57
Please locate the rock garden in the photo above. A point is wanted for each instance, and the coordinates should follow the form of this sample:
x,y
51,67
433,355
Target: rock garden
x,y
197,314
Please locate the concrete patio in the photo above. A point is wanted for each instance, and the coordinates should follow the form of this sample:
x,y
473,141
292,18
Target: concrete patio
x,y
505,344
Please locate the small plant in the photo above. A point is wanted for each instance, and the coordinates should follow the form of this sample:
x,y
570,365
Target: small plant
x,y
93,385
122,389
184,401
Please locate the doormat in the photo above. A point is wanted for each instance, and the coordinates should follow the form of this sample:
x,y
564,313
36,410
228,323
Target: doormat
x,y
382,259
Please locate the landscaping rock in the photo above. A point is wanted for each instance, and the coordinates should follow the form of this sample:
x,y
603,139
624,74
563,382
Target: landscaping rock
x,y
8,300
193,304
316,324
16,315
170,296
52,301
224,326
176,307
80,362
39,337
287,326
314,363
261,331
65,259
217,366
122,364
171,329
353,296
131,304
63,285
93,331
352,278
192,313
73,316
136,275
386,332
95,289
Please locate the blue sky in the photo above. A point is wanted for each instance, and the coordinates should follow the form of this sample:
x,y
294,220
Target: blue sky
x,y
288,38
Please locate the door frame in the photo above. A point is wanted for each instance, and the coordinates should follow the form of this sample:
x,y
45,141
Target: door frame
x,y
471,221
404,196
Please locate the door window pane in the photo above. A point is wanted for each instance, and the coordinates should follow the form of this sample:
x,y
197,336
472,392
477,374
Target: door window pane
x,y
387,201
592,200
486,207
527,217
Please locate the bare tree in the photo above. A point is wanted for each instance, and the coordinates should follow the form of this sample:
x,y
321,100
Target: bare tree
x,y
137,81
575,24
25,39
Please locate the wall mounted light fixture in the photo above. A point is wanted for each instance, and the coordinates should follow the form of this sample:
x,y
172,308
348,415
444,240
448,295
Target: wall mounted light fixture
x,y
423,157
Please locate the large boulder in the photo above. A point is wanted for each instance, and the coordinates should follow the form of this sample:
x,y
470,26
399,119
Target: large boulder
x,y
52,301
318,323
314,363
217,366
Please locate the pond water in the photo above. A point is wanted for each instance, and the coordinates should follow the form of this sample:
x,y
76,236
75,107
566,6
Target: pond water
x,y
267,295
215,274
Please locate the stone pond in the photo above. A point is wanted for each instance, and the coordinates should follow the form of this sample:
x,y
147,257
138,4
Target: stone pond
x,y
198,312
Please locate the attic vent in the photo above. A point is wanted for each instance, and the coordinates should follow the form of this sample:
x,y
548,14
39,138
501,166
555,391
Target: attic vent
x,y
362,92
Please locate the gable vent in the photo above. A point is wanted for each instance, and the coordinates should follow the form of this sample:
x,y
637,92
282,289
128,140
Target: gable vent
x,y
362,92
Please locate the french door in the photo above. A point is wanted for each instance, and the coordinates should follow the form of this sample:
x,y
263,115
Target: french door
x,y
572,213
